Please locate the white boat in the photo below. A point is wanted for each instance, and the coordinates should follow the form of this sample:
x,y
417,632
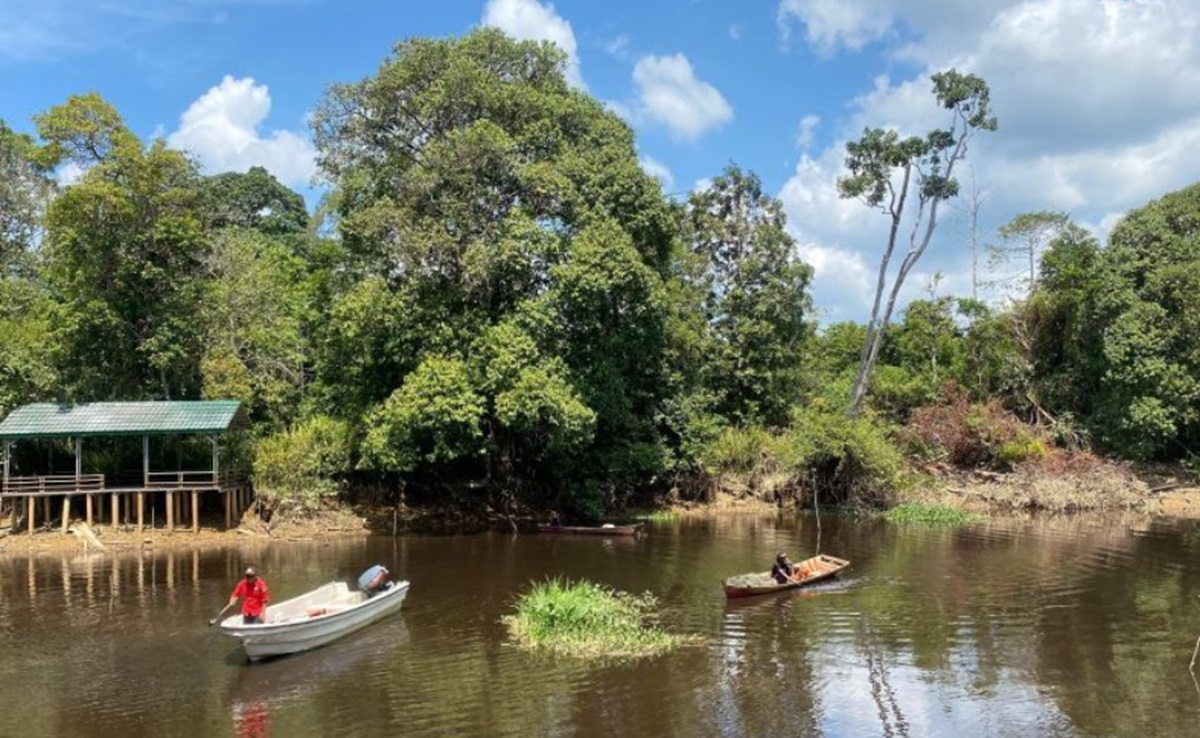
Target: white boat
x,y
313,619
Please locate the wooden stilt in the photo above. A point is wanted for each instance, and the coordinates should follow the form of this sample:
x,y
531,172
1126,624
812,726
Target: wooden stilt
x,y
195,511
87,505
170,512
66,513
227,502
31,512
141,511
46,511
116,511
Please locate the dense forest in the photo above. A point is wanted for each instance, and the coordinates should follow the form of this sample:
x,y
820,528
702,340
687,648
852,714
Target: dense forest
x,y
494,302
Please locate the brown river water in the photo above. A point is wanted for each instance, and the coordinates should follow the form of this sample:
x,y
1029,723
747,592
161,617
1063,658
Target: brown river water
x,y
1043,627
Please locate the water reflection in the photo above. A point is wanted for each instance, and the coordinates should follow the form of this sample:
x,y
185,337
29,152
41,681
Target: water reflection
x,y
1021,627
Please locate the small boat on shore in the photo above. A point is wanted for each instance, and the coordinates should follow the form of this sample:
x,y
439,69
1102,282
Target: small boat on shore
x,y
811,571
608,529
314,619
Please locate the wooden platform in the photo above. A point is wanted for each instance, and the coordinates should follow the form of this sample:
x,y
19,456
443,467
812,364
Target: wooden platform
x,y
174,489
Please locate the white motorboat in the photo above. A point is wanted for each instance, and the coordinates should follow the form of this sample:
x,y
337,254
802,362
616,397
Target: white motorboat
x,y
314,619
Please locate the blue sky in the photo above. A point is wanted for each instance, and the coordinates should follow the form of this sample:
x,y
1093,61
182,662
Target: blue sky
x,y
1098,100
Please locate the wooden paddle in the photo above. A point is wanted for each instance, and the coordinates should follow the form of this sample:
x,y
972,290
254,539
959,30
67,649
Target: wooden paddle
x,y
213,622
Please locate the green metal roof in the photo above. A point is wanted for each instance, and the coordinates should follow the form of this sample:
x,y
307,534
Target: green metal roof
x,y
46,420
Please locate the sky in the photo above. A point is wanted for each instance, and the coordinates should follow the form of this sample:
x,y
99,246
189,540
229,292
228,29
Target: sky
x,y
1098,101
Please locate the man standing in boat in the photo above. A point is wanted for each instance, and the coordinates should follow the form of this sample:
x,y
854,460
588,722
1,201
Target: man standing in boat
x,y
253,592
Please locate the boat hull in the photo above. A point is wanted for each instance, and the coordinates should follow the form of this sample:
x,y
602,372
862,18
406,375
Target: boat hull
x,y
313,620
755,584
591,530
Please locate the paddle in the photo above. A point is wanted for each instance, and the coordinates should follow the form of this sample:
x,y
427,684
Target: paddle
x,y
213,622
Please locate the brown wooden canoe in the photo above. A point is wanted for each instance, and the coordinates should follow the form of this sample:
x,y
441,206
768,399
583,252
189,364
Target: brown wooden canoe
x,y
761,583
592,530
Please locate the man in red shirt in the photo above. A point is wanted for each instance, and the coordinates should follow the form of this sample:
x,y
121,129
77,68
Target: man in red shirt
x,y
253,592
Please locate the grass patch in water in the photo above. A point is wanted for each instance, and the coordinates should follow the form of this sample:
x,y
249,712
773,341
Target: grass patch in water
x,y
931,515
659,516
587,620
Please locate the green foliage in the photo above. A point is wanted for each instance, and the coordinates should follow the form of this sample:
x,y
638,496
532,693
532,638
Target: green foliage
x,y
754,293
28,347
433,418
930,516
25,188
588,621
255,201
850,461
124,247
298,471
256,302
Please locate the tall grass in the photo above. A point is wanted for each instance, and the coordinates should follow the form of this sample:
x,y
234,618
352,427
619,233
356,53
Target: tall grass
x,y
587,620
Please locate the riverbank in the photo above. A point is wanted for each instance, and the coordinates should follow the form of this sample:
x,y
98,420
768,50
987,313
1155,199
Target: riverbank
x,y
1081,485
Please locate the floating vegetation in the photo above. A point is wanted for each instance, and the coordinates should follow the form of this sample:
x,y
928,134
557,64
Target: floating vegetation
x,y
659,516
930,515
586,620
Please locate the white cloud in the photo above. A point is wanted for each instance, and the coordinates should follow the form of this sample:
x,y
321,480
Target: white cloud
x,y
529,20
659,171
830,24
805,132
221,129
669,93
1098,103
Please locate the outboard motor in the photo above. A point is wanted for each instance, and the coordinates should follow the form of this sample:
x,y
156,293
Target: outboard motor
x,y
374,580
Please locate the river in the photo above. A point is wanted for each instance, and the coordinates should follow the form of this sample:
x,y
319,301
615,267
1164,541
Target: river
x,y
1043,627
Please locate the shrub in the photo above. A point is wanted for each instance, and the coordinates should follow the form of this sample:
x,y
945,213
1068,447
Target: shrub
x,y
971,435
298,471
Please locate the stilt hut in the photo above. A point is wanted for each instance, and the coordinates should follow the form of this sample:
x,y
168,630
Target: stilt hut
x,y
36,440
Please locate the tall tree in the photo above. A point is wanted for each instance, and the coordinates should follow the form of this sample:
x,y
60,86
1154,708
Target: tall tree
x,y
924,167
755,296
509,254
125,247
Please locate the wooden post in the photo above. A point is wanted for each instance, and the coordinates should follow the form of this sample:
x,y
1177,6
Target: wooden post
x,y
216,462
87,506
170,512
141,510
66,513
195,511
31,512
116,511
226,497
46,509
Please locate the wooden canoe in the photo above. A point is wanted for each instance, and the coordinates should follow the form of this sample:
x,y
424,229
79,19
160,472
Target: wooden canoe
x,y
814,570
607,529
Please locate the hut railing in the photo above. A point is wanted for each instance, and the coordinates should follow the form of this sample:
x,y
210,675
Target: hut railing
x,y
60,484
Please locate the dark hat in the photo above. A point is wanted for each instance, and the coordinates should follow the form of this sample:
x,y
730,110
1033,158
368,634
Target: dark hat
x,y
250,572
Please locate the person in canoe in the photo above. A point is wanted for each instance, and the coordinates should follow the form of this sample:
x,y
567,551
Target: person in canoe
x,y
254,595
784,570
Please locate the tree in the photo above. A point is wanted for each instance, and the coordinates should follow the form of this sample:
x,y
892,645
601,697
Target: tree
x,y
755,296
1026,238
254,200
25,188
925,168
477,195
124,250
